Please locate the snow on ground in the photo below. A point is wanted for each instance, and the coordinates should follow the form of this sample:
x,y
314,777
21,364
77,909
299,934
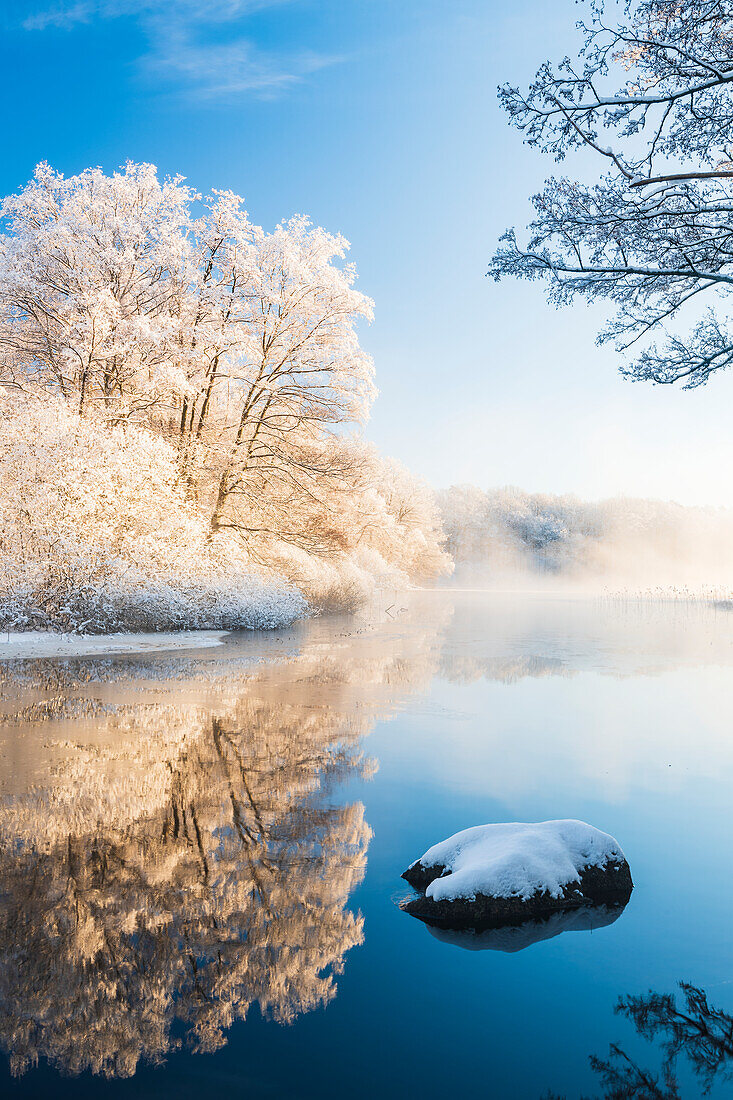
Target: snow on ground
x,y
516,859
41,643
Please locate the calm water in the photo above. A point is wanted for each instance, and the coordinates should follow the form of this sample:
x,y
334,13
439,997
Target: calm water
x,y
201,855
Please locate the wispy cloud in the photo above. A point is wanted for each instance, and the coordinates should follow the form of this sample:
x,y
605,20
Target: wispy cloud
x,y
229,68
65,13
195,46
62,15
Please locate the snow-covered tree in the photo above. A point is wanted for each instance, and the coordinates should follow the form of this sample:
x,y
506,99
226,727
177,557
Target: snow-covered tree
x,y
653,234
94,275
114,293
282,368
215,373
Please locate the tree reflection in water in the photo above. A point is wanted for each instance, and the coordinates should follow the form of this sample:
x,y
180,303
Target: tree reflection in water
x,y
184,864
683,1026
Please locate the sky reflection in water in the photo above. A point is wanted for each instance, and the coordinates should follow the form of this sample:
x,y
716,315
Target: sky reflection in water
x,y
194,849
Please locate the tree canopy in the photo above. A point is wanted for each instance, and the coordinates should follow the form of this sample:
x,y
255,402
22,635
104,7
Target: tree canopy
x,y
181,393
650,96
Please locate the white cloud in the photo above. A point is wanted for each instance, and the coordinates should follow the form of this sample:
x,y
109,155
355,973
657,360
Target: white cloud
x,y
65,13
230,68
181,49
60,15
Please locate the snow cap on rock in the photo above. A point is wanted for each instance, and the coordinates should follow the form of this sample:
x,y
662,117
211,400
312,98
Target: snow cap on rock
x,y
516,859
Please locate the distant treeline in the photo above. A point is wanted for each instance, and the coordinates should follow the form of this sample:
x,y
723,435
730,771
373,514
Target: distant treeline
x,y
503,531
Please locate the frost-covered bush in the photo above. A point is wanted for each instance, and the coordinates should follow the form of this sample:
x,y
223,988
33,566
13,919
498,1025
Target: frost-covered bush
x,y
97,535
129,602
344,582
406,531
386,534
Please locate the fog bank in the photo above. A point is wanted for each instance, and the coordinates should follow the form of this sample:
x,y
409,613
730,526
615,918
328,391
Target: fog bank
x,y
507,537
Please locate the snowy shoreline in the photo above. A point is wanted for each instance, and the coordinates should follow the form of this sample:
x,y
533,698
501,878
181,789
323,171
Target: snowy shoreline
x,y
41,643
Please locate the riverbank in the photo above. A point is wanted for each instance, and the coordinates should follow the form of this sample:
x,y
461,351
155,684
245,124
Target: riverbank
x,y
43,643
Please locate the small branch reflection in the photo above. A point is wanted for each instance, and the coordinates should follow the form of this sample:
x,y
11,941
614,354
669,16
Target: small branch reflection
x,y
683,1026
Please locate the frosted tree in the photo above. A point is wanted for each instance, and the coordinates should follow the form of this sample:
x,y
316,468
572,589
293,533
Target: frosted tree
x,y
651,99
139,301
94,275
213,372
294,372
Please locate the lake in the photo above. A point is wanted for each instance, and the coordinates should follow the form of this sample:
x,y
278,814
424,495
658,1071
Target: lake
x,y
201,853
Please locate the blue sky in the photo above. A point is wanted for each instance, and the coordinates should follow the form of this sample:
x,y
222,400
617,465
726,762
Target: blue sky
x,y
379,119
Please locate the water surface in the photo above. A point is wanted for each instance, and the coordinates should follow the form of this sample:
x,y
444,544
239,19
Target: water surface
x,y
200,855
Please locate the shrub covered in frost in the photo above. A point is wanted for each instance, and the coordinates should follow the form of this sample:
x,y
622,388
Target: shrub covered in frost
x,y
101,604
97,535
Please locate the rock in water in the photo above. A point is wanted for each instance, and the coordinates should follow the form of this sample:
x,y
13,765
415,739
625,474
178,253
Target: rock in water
x,y
499,874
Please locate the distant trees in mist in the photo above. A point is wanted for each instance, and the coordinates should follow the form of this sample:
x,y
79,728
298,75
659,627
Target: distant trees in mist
x,y
508,531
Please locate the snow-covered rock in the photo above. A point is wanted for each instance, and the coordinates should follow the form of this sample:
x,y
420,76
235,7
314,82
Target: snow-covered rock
x,y
496,874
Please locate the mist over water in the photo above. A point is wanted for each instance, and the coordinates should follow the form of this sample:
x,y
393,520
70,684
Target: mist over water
x,y
511,540
198,849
